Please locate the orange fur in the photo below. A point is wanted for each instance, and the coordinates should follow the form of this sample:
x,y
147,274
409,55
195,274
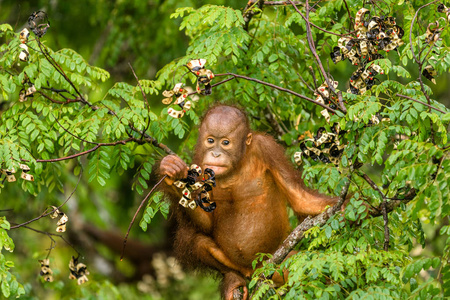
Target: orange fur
x,y
251,198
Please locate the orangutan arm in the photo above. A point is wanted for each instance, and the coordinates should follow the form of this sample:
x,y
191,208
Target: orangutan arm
x,y
303,201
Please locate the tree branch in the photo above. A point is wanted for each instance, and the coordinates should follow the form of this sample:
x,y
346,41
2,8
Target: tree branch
x,y
146,137
140,87
152,140
299,232
52,211
349,16
145,98
136,213
312,47
60,93
276,3
411,27
278,88
423,103
393,203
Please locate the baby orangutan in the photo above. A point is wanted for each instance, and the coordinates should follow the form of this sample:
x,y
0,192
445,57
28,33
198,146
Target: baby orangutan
x,y
255,181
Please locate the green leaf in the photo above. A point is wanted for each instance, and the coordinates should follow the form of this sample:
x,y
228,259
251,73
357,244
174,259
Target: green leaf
x,y
5,288
143,224
328,231
436,262
273,57
101,181
6,27
446,117
409,272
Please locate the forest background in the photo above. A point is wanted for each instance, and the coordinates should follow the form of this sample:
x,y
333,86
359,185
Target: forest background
x,y
102,46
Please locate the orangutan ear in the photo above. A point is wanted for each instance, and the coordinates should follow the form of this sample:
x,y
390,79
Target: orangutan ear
x,y
248,141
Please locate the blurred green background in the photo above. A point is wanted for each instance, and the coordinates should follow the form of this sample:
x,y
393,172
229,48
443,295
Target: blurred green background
x,y
111,34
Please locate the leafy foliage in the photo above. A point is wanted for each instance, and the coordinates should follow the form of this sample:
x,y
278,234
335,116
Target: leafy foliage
x,y
9,285
79,123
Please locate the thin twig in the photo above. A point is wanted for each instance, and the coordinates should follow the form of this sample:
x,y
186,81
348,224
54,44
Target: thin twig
x,y
60,70
383,208
52,211
53,234
386,225
341,102
305,83
112,113
429,50
145,97
147,137
75,136
52,246
276,3
417,59
418,101
349,17
152,140
286,3
214,85
411,27
59,102
310,40
123,142
324,30
422,86
60,93
317,90
136,213
139,84
311,70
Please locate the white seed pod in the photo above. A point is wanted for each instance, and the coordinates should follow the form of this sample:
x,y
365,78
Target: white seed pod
x,y
192,205
175,113
24,54
326,115
23,36
196,64
183,202
298,158
27,177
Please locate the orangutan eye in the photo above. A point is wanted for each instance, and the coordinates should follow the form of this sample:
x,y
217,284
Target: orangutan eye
x,y
210,140
226,142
